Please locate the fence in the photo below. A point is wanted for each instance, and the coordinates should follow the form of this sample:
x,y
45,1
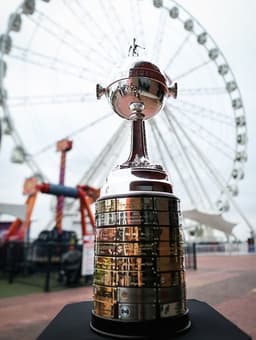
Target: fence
x,y
48,265
191,256
226,248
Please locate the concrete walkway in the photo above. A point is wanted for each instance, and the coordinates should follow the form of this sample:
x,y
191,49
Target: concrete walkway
x,y
228,283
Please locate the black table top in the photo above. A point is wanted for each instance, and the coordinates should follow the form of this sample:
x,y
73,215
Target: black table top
x,y
73,322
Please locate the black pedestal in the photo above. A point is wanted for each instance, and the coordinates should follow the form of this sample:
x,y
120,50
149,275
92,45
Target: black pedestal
x,y
73,322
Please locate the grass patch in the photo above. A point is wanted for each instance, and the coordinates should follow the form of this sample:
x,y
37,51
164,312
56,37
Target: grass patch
x,y
27,284
16,289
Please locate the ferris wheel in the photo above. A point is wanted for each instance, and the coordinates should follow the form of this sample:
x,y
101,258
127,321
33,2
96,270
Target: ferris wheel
x,y
53,54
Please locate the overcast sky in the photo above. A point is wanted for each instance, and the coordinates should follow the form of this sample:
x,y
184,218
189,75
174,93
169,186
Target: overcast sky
x,y
232,25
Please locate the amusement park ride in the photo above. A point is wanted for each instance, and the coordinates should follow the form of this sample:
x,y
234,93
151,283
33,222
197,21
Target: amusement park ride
x,y
84,193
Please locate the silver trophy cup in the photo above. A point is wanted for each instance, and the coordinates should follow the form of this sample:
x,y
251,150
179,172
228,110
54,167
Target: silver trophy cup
x,y
139,285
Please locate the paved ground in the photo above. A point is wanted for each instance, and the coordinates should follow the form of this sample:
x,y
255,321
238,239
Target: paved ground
x,y
228,283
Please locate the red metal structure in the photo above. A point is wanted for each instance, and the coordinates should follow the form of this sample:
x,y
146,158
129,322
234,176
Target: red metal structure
x,y
63,146
18,229
86,195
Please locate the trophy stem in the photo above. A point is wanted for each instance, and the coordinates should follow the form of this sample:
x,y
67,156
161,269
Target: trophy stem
x,y
138,154
138,142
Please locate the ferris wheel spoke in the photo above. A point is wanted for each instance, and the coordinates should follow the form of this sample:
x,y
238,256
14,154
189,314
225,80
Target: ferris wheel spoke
x,y
63,39
51,63
72,134
92,26
177,158
195,109
216,175
177,52
169,154
121,37
135,7
188,159
65,33
94,23
32,37
200,129
201,156
191,70
203,91
51,99
158,41
158,146
104,155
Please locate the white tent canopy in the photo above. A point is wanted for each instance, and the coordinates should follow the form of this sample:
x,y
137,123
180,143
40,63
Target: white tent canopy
x,y
215,221
17,210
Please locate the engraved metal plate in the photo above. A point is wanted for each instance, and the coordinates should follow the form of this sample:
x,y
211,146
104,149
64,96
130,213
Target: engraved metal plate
x,y
169,279
169,263
172,309
138,249
105,294
135,233
124,263
103,309
137,295
138,217
125,278
125,249
108,205
134,203
129,311
171,294
139,233
161,203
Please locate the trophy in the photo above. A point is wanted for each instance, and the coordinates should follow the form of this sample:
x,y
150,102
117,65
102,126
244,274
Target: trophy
x,y
139,286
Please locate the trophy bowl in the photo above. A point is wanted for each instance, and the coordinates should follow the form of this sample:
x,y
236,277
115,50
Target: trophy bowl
x,y
143,84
